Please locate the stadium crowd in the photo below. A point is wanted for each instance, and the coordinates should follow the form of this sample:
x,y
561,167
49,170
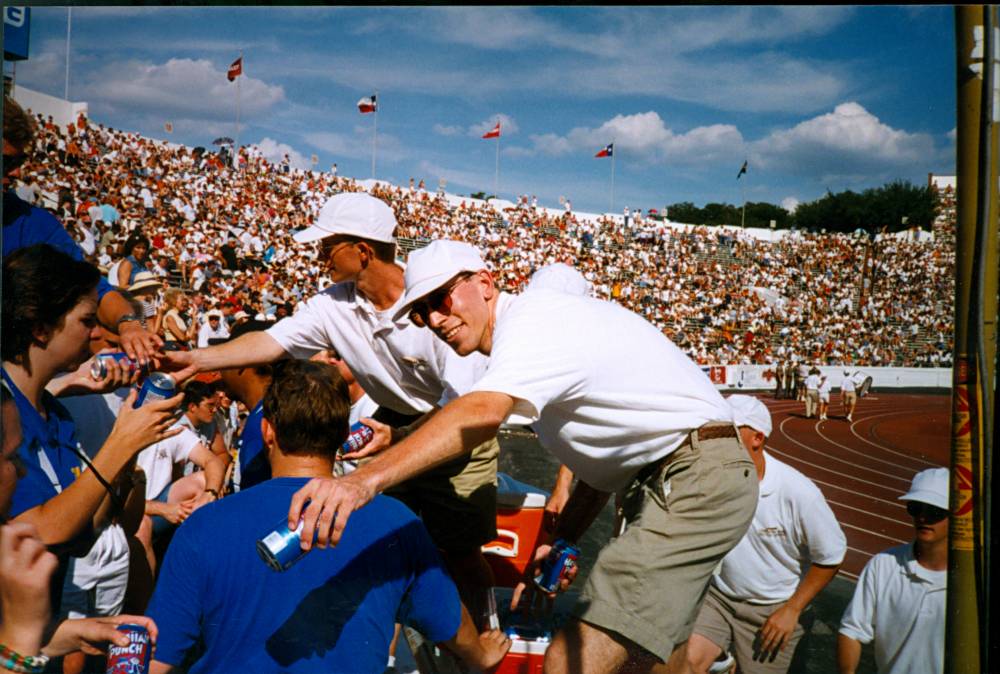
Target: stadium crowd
x,y
91,477
722,295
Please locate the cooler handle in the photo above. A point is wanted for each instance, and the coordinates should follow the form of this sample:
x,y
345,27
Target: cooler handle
x,y
499,548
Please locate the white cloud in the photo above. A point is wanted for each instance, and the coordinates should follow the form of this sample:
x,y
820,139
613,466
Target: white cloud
x,y
859,145
644,136
357,144
790,204
179,88
274,152
444,130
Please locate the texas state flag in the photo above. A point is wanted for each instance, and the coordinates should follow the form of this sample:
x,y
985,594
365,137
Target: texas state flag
x,y
608,151
235,69
367,104
494,132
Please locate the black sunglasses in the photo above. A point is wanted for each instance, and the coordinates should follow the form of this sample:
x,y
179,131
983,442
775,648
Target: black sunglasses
x,y
439,301
927,511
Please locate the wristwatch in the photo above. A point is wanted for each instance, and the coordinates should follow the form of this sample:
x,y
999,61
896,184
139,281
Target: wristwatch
x,y
128,318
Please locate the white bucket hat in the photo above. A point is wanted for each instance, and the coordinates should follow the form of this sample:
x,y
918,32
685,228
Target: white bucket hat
x,y
929,486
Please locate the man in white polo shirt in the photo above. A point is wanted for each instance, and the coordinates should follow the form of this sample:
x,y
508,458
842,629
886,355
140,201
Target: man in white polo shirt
x,y
899,600
404,368
757,596
812,393
621,406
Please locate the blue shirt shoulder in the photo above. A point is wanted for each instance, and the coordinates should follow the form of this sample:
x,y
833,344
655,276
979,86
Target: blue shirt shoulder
x,y
333,610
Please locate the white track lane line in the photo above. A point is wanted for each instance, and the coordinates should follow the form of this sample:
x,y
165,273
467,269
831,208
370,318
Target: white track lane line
x,y
887,449
869,456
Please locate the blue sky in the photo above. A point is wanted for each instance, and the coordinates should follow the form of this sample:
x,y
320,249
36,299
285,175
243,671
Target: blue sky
x,y
816,98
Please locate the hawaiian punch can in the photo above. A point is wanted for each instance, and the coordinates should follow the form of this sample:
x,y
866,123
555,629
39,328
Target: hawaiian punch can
x,y
359,436
281,548
157,386
561,558
134,658
99,368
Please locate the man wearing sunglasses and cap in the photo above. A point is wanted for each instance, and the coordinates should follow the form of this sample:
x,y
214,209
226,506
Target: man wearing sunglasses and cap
x,y
899,601
615,401
405,369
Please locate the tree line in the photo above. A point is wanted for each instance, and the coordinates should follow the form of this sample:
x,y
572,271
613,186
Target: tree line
x,y
895,206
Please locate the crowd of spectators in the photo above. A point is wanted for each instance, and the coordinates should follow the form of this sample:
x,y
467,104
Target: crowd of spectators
x,y
223,233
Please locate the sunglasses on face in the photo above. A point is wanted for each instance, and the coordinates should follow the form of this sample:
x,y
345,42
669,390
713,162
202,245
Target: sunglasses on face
x,y
439,301
926,511
329,247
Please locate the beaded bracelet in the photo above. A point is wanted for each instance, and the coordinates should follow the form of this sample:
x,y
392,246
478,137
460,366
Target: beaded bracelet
x,y
23,664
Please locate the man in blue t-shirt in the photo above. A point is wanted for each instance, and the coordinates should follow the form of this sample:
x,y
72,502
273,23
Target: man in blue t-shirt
x,y
334,609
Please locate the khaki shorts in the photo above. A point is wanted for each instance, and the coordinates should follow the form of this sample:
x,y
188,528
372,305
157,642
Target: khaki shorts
x,y
733,625
457,501
683,517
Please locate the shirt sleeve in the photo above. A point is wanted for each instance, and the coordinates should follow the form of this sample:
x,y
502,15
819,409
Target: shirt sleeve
x,y
303,334
183,443
824,536
431,603
176,603
858,621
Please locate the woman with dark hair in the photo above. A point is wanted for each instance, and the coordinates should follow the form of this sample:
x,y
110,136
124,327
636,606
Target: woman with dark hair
x,y
49,319
136,252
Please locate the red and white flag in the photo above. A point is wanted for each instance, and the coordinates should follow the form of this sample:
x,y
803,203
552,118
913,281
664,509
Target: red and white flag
x,y
235,70
168,127
367,104
494,133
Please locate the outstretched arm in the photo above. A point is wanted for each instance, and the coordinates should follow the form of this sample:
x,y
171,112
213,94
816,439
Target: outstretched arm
x,y
456,429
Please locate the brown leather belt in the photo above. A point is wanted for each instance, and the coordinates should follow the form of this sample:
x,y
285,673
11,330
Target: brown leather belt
x,y
713,431
710,431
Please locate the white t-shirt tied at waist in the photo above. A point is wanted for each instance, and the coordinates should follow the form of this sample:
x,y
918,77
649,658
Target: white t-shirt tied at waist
x,y
607,393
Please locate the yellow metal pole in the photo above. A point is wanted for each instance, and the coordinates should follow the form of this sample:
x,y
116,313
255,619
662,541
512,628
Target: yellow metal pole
x,y
967,637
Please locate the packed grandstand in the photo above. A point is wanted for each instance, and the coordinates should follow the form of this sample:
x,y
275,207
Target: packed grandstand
x,y
724,295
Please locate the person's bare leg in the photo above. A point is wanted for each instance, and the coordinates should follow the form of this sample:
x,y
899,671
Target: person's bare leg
x,y
474,577
581,648
188,487
701,653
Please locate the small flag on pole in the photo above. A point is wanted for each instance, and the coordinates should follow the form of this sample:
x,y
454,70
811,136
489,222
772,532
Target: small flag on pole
x,y
743,169
608,151
235,69
168,127
367,104
494,132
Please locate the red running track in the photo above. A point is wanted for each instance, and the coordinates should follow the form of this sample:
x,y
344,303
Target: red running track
x,y
864,466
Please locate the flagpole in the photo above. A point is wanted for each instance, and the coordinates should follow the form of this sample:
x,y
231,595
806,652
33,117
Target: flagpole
x,y
743,216
236,149
496,175
375,133
613,153
69,24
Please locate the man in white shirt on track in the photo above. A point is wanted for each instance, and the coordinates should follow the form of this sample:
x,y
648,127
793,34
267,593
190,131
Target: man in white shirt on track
x,y
824,396
792,550
812,393
899,601
611,397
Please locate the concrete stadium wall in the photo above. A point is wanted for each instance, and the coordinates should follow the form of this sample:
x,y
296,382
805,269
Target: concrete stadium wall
x,y
63,112
761,377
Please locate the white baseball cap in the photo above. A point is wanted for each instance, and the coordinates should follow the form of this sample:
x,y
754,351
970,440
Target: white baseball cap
x,y
352,213
748,411
429,268
929,486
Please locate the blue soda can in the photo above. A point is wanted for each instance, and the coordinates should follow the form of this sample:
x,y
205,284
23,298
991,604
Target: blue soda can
x,y
157,386
359,436
561,558
134,658
281,548
99,368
